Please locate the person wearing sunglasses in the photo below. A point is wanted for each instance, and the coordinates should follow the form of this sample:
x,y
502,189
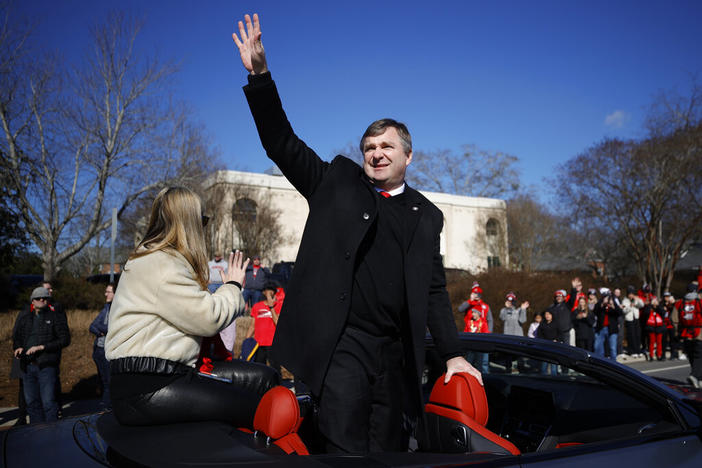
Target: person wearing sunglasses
x,y
38,339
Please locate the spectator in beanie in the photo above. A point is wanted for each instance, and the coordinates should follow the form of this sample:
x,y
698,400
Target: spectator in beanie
x,y
561,313
37,341
470,307
475,323
512,317
687,317
476,302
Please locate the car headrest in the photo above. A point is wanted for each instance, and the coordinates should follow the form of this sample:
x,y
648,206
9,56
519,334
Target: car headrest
x,y
278,413
463,393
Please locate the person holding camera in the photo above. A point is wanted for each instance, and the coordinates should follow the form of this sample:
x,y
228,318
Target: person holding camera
x,y
607,311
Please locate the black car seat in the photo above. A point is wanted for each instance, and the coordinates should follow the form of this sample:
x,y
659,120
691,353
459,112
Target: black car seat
x,y
456,415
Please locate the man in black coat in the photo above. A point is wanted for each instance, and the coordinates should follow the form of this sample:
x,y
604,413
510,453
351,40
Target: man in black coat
x,y
38,339
368,278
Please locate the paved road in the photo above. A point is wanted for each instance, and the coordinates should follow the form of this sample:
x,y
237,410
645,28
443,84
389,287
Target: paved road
x,y
673,370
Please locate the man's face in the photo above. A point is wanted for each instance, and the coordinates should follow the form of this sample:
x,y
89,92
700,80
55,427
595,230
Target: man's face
x,y
256,261
474,296
617,292
559,298
384,159
48,288
109,294
40,303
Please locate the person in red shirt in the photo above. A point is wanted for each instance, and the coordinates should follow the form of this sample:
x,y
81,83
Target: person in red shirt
x,y
265,314
476,323
654,327
476,302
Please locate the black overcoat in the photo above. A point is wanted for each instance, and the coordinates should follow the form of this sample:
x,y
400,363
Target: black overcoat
x,y
343,205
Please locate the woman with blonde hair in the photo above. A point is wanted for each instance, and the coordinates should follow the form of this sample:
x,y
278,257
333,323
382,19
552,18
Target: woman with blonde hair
x,y
159,315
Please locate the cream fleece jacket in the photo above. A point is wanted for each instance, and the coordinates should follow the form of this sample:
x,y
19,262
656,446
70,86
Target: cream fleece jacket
x,y
159,310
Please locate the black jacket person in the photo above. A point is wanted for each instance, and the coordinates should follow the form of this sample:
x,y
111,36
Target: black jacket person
x,y
332,306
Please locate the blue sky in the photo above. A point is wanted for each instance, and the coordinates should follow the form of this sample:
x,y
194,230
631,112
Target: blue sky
x,y
542,80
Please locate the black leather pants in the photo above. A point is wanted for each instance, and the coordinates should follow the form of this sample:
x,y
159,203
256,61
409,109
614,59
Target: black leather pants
x,y
187,396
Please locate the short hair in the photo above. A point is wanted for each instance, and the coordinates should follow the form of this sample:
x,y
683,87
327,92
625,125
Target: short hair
x,y
112,285
380,126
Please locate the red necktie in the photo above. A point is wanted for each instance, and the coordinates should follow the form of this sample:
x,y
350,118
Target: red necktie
x,y
385,194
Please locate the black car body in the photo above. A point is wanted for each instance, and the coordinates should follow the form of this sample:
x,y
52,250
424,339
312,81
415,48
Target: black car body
x,y
592,412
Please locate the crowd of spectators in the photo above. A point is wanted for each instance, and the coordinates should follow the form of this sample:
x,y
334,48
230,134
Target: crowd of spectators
x,y
606,322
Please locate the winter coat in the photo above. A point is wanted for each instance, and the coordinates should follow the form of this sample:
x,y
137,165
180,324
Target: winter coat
x,y
53,334
513,319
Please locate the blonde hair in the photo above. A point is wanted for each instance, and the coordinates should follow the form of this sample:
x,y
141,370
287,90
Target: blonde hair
x,y
176,224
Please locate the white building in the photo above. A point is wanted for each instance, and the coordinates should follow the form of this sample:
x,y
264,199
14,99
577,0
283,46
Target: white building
x,y
474,237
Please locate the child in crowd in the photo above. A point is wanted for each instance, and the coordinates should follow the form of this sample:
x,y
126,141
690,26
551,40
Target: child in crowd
x,y
548,331
531,333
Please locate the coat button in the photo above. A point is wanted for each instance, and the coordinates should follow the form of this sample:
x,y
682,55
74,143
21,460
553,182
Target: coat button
x,y
366,216
347,255
342,296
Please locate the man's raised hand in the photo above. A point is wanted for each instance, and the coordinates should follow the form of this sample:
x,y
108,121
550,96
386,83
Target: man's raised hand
x,y
253,57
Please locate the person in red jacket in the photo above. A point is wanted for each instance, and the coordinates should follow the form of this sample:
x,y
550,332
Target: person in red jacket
x,y
475,323
687,317
265,314
476,302
655,327
469,307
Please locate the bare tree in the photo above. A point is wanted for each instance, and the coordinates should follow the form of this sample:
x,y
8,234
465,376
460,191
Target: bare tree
x,y
107,140
646,193
533,231
245,218
474,172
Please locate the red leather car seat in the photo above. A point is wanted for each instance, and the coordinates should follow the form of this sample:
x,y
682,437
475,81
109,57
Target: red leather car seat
x,y
456,416
278,416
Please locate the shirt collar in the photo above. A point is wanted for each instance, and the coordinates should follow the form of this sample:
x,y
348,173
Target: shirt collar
x,y
393,192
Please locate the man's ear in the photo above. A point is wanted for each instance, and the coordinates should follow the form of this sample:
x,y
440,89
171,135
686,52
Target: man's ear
x,y
409,159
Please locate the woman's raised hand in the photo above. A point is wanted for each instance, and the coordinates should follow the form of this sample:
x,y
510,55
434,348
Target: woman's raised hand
x,y
236,270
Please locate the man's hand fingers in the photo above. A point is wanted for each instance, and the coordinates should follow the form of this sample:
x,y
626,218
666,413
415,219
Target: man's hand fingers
x,y
242,32
236,40
249,26
256,27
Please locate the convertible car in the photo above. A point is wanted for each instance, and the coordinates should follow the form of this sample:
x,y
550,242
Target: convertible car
x,y
543,404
